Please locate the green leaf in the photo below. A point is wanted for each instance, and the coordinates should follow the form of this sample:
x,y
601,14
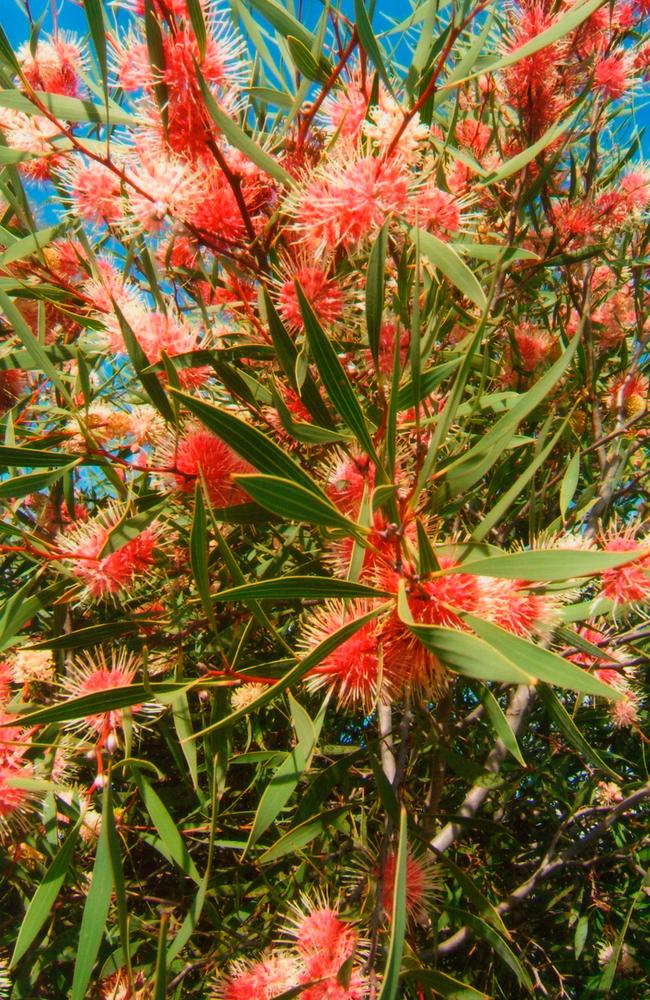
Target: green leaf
x,y
67,109
183,725
569,483
540,663
495,515
391,980
494,251
32,482
280,18
369,41
521,160
95,17
335,380
570,730
41,903
303,834
500,722
171,844
375,289
102,701
253,446
28,245
199,545
95,914
198,24
294,502
156,50
540,565
31,458
241,140
442,256
93,635
305,62
295,588
444,985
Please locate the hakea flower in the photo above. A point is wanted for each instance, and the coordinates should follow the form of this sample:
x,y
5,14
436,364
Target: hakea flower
x,y
382,124
93,673
344,109
533,84
5,979
473,134
596,638
347,201
325,943
608,793
12,738
16,804
32,135
95,192
33,666
385,541
54,65
13,383
162,186
534,346
628,395
512,606
574,221
624,203
6,680
615,315
624,713
346,479
433,209
221,66
265,979
626,964
119,571
629,583
245,695
134,428
122,985
612,76
324,295
422,885
197,454
352,671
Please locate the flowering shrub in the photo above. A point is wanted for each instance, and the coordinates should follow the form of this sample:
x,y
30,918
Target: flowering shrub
x,y
324,406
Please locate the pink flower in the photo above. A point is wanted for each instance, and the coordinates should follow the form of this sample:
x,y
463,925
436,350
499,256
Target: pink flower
x,y
54,66
114,572
15,803
92,673
344,205
351,671
611,75
198,453
534,345
324,296
629,583
263,980
421,884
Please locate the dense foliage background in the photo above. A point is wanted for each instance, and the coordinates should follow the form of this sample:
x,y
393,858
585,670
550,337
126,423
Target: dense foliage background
x,y
324,567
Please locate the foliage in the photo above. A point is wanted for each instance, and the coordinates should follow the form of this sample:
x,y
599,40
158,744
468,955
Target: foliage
x,y
324,443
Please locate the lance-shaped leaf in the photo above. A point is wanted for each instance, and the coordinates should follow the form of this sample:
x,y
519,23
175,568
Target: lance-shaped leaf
x,y
103,701
289,500
452,266
544,566
375,289
140,362
487,933
171,844
41,903
95,914
198,24
499,721
570,730
92,635
31,458
22,486
305,62
28,245
254,446
539,662
95,17
303,834
37,354
68,109
369,41
293,588
569,483
199,544
283,21
335,380
391,980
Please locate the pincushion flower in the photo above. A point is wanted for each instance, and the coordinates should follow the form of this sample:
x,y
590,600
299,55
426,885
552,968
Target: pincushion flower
x,y
422,885
199,455
101,574
629,583
54,65
351,671
95,673
265,979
